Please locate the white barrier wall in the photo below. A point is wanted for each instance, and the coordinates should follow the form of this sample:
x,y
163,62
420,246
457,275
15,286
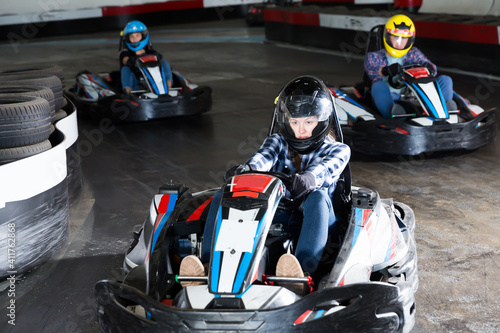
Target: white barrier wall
x,y
36,11
461,7
54,6
43,6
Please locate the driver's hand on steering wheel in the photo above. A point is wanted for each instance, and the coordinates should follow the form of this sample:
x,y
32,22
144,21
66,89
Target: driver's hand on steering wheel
x,y
302,183
236,170
391,70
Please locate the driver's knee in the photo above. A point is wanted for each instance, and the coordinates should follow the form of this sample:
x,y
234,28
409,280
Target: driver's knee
x,y
318,200
446,84
382,98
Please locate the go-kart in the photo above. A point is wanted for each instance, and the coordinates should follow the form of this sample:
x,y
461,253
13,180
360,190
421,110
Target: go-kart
x,y
366,280
100,96
426,126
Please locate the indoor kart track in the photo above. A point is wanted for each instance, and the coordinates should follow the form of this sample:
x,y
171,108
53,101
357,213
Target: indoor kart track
x,y
455,196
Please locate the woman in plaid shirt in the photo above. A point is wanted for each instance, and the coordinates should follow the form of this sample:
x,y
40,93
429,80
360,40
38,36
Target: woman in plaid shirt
x,y
303,148
399,36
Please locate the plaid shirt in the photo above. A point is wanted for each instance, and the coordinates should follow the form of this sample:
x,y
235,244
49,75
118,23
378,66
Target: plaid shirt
x,y
326,162
377,59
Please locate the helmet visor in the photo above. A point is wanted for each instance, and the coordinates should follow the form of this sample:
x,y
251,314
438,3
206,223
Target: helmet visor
x,y
398,41
316,107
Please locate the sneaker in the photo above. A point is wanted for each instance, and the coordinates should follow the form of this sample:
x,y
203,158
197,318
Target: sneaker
x,y
191,266
451,105
398,110
289,266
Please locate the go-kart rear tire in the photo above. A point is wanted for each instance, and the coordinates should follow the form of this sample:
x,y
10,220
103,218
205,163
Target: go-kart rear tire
x,y
49,81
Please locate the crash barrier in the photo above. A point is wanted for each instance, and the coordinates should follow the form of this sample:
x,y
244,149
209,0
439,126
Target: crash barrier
x,y
461,7
28,19
473,41
35,194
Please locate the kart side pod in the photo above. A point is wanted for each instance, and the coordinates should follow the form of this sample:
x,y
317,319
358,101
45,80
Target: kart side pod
x,y
374,240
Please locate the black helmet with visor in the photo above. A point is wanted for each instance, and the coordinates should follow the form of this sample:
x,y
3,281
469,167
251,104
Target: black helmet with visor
x,y
304,97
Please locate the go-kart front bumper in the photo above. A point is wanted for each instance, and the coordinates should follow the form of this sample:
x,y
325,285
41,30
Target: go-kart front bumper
x,y
120,109
364,307
403,138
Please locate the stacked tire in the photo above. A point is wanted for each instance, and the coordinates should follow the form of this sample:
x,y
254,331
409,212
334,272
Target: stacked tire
x,y
30,103
35,193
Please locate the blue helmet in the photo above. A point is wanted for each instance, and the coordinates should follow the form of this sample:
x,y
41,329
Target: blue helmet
x,y
132,27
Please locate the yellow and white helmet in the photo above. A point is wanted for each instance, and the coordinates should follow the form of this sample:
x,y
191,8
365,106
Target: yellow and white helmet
x,y
399,35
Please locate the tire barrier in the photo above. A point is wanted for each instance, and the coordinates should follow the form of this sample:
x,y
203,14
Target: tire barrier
x,y
49,81
40,170
24,120
38,91
37,71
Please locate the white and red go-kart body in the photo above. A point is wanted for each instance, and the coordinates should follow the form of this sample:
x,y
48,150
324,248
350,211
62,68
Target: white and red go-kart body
x,y
369,285
427,126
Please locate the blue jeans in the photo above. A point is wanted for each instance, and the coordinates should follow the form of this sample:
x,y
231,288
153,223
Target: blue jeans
x,y
317,224
384,99
129,79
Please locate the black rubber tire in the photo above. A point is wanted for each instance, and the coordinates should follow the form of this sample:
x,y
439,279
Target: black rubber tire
x,y
17,109
60,114
37,70
27,134
39,91
12,154
24,120
50,81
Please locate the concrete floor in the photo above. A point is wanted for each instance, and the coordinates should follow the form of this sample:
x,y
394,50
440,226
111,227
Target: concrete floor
x,y
455,196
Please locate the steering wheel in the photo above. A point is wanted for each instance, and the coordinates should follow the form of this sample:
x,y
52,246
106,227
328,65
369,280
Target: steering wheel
x,y
396,81
287,204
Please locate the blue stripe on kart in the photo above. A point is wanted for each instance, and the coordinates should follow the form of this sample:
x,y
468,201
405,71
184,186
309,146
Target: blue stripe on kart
x,y
153,84
247,257
240,276
426,100
358,222
214,278
348,98
172,198
319,314
443,102
165,87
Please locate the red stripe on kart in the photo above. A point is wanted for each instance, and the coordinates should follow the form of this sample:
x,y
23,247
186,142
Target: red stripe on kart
x,y
245,194
197,213
302,318
162,209
369,228
342,281
250,183
151,7
471,33
418,72
366,214
163,206
271,15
